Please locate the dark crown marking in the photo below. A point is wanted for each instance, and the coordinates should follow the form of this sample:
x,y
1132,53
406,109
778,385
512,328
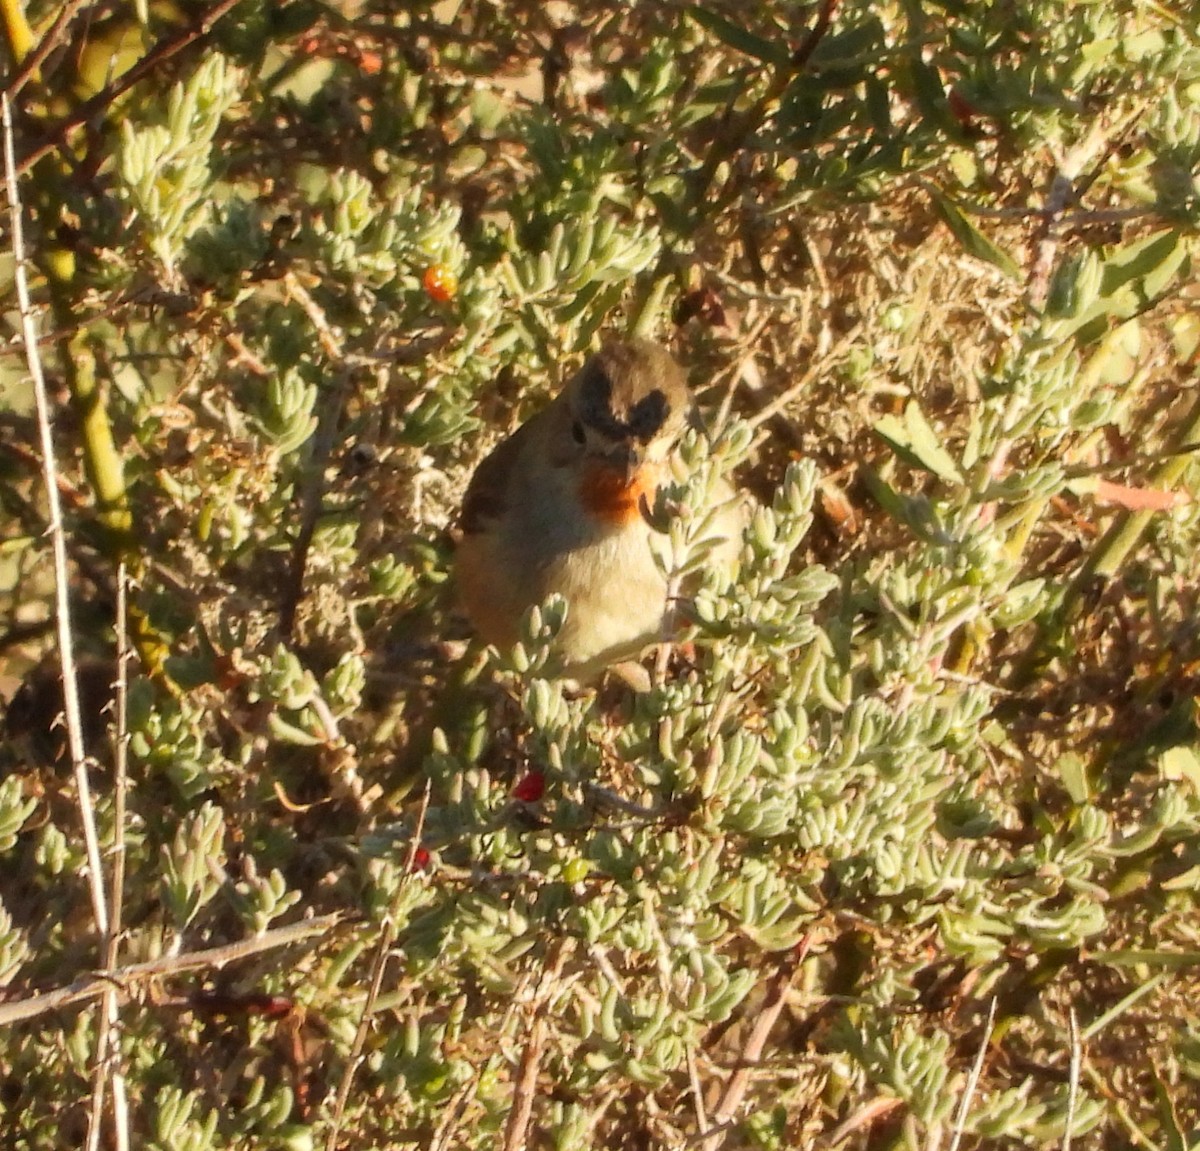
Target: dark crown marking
x,y
619,394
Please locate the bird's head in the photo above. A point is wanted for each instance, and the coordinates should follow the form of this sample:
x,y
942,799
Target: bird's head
x,y
624,413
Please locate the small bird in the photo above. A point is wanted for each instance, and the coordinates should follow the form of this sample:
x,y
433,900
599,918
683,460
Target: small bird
x,y
561,505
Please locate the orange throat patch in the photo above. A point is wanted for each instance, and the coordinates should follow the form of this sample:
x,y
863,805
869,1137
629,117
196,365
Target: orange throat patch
x,y
607,494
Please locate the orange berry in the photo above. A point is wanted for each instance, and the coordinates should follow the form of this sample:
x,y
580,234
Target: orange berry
x,y
441,284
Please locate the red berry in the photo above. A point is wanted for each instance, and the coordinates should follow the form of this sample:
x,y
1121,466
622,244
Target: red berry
x,y
441,284
530,787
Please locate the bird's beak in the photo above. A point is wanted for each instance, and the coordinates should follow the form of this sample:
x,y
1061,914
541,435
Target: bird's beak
x,y
627,460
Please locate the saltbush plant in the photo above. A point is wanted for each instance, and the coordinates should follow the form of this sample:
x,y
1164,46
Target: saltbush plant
x,y
899,846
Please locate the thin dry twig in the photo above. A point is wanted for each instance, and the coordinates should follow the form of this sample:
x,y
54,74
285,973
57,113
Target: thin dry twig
x,y
1073,1080
781,401
964,1105
745,370
57,535
329,337
93,986
739,125
1062,188
697,1093
739,1081
108,1063
387,936
815,35
451,1114
99,103
865,1116
54,35
62,577
525,1088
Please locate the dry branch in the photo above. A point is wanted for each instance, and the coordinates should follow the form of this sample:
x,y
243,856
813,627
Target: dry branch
x,y
93,986
739,1081
89,110
108,1065
66,649
525,1088
387,936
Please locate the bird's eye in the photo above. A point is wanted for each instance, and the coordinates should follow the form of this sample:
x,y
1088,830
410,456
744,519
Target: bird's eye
x,y
577,433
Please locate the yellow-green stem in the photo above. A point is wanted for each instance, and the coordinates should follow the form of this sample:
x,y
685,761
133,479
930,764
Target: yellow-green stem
x,y
17,34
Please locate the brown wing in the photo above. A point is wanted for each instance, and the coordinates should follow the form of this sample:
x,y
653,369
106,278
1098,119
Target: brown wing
x,y
490,589
489,490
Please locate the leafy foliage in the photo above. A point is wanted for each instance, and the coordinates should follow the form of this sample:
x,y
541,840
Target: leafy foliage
x,y
934,751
